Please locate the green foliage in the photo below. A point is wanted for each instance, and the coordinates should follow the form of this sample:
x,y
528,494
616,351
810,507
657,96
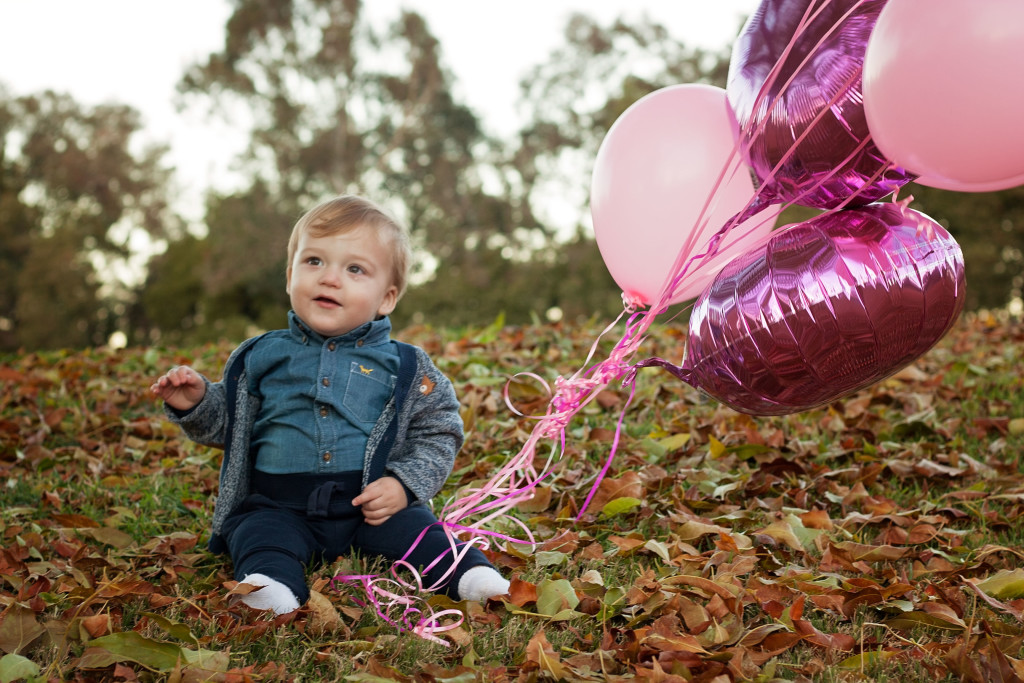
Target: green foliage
x,y
400,136
334,104
575,96
70,183
990,229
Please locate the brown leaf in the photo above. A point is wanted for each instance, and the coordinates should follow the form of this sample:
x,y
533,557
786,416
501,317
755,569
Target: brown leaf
x,y
543,657
994,603
382,671
539,503
694,615
626,546
109,536
125,673
96,625
626,485
727,591
666,635
782,532
870,553
323,618
522,593
72,521
18,629
816,519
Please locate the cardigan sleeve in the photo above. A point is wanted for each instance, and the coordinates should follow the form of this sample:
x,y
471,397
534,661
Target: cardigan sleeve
x,y
206,422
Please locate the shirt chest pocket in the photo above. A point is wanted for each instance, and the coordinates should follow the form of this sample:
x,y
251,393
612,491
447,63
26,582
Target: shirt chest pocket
x,y
367,391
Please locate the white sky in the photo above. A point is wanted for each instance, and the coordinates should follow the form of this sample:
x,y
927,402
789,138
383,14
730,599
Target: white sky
x,y
134,51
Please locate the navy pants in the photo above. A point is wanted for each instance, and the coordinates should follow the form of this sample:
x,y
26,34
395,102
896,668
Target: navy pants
x,y
291,521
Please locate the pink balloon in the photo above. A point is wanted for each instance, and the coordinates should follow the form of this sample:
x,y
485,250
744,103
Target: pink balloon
x,y
944,91
962,186
825,308
667,178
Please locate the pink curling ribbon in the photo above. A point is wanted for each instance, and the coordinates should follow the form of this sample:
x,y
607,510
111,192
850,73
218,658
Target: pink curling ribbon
x,y
516,482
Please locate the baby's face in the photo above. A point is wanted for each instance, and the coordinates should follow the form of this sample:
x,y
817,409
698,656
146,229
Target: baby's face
x,y
342,281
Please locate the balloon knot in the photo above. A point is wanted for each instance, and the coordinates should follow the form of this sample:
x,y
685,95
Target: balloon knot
x,y
632,302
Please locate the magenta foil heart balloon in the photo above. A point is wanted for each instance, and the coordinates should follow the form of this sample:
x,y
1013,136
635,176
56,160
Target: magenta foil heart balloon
x,y
794,88
824,308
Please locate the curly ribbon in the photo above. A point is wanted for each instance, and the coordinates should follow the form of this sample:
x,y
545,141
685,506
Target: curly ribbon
x,y
517,480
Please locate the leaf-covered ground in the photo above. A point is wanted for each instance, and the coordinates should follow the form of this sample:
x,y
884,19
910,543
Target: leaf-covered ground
x,y
877,539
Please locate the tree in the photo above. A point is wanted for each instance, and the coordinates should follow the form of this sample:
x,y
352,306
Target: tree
x,y
576,95
569,121
334,106
989,227
71,193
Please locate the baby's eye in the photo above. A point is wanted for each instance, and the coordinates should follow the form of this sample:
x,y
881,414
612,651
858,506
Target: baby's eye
x,y
355,269
313,261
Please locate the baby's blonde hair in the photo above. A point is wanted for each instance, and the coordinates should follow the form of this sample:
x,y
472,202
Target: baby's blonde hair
x,y
348,212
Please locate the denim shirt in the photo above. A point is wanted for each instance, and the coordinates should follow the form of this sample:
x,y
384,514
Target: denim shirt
x,y
320,398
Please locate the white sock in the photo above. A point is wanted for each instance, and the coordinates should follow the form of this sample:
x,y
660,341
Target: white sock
x,y
273,595
480,583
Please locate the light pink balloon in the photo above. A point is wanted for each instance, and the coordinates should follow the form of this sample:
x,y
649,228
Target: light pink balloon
x,y
667,178
962,186
943,86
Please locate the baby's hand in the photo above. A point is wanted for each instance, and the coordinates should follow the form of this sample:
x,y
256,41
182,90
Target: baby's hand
x,y
381,499
182,388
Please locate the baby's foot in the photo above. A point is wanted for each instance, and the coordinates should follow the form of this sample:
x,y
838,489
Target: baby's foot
x,y
270,594
480,583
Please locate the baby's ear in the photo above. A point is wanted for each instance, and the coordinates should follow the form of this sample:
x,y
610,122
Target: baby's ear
x,y
387,305
288,280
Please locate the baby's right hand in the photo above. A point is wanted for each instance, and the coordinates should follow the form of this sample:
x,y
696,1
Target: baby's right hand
x,y
181,387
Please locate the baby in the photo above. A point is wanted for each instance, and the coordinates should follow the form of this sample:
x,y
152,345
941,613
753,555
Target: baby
x,y
335,436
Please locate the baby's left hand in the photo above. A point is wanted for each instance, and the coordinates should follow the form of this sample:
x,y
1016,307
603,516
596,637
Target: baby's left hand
x,y
381,499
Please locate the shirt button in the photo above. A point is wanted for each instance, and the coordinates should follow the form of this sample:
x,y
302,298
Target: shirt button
x,y
327,456
331,346
326,381
323,411
359,343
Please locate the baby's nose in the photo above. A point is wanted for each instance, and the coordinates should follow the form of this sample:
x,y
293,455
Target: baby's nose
x,y
330,276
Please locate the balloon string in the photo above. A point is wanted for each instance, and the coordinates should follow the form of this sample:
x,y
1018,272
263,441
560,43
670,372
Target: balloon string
x,y
760,201
763,196
804,24
514,483
678,275
517,480
776,69
611,454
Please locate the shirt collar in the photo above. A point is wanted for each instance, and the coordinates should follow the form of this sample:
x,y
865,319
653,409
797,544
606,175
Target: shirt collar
x,y
372,333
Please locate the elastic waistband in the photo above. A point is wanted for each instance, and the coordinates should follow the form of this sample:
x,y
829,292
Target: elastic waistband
x,y
310,491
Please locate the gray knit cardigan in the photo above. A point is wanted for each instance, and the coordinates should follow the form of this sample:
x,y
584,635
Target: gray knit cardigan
x,y
418,447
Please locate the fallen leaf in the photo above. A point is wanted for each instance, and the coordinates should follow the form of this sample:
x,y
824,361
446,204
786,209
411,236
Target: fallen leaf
x,y
18,629
324,618
14,667
96,625
1004,584
540,653
555,596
